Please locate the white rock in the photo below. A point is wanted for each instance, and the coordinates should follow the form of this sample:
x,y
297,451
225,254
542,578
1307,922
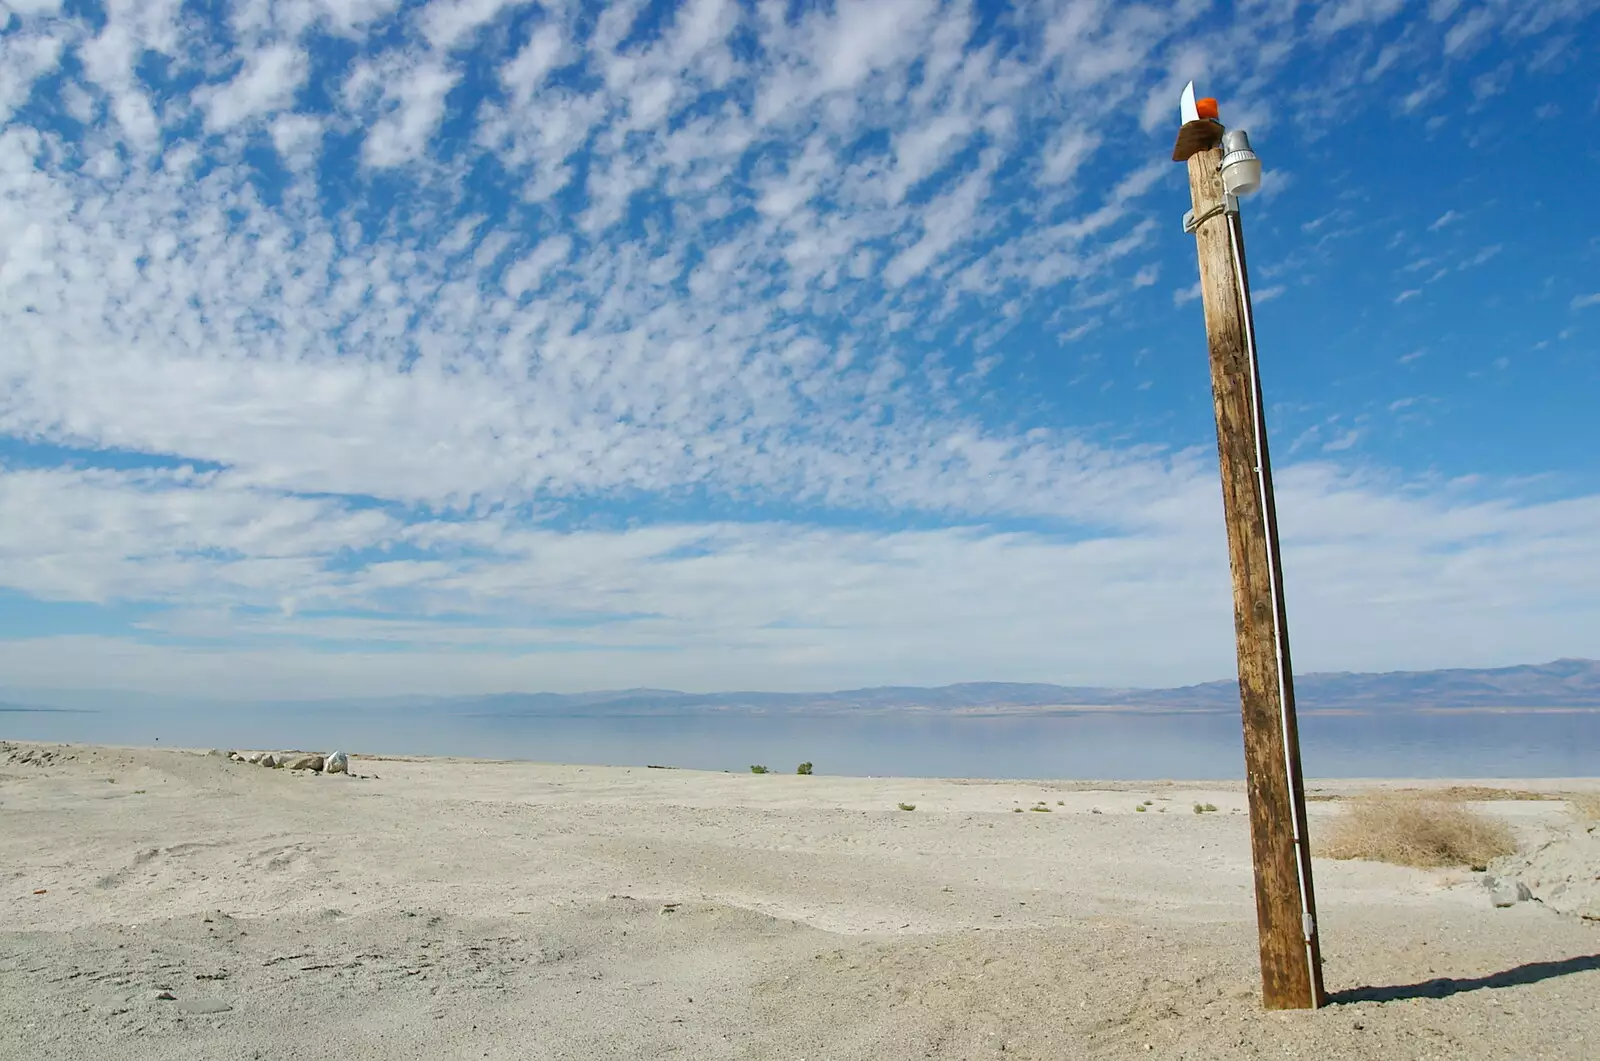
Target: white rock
x,y
337,763
306,762
254,757
268,759
1508,891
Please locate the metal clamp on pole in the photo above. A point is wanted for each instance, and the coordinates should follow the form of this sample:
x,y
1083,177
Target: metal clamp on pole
x,y
1191,224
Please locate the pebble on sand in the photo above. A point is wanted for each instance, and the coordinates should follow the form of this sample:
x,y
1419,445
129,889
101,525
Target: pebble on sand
x,y
203,1005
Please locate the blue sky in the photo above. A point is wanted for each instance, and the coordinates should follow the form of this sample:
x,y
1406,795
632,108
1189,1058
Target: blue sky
x,y
353,346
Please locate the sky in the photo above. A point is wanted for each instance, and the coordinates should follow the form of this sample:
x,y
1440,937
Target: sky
x,y
358,347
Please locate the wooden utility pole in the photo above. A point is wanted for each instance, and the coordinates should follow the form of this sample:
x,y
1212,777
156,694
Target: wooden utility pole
x,y
1291,958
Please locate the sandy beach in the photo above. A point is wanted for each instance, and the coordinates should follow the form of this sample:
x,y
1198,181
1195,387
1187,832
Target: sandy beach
x,y
171,904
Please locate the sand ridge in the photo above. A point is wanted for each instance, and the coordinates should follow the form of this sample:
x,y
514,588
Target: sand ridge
x,y
463,908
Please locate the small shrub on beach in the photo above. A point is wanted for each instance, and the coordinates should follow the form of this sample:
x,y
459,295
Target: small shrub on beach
x,y
1140,808
1041,807
1016,810
759,770
1586,806
1407,831
1205,808
804,769
906,806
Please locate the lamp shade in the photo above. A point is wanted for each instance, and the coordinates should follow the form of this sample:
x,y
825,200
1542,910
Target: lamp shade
x,y
1241,167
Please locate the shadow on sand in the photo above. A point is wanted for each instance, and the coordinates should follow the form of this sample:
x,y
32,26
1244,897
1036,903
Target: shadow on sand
x,y
1445,986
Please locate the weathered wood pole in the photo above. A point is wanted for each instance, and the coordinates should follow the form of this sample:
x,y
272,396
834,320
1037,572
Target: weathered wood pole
x,y
1291,957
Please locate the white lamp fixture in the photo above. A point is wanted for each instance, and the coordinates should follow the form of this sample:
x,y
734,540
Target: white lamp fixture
x,y
1241,168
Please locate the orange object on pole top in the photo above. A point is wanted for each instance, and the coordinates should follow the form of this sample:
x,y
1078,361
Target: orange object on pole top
x,y
1206,108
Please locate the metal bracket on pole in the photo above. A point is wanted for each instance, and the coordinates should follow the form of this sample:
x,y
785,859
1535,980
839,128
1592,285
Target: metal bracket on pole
x,y
1191,224
1230,205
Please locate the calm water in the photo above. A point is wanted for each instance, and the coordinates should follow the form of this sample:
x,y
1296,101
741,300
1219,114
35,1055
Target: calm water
x,y
1072,746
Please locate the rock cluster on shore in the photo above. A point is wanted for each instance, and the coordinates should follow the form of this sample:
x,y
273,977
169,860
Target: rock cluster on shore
x,y
333,763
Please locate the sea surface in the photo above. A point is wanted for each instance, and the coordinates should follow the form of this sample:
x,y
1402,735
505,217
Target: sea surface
x,y
1088,745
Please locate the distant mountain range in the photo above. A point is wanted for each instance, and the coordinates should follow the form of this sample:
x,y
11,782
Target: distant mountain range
x,y
1564,683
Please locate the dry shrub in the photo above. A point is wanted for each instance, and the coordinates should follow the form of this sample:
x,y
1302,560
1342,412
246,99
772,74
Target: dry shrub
x,y
1405,830
1586,805
1483,793
1471,793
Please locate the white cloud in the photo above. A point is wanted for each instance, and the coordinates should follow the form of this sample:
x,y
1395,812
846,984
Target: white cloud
x,y
1466,35
1491,84
1482,257
409,111
1344,441
34,7
1066,154
944,222
268,83
525,73
297,138
864,36
1343,14
1425,93
1585,301
919,152
446,24
24,58
1449,217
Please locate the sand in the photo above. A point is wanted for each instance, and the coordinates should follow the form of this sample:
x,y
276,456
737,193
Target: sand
x,y
454,908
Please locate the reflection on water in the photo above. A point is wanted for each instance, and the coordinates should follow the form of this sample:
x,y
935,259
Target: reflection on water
x,y
1108,746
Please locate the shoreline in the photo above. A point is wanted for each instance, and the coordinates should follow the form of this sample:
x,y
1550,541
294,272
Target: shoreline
x,y
1536,783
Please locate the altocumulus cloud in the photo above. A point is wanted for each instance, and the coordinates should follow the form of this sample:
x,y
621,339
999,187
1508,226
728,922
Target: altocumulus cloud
x,y
363,347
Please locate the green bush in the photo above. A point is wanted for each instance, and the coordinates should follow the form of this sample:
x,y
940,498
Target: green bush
x,y
1140,808
906,806
804,769
759,770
